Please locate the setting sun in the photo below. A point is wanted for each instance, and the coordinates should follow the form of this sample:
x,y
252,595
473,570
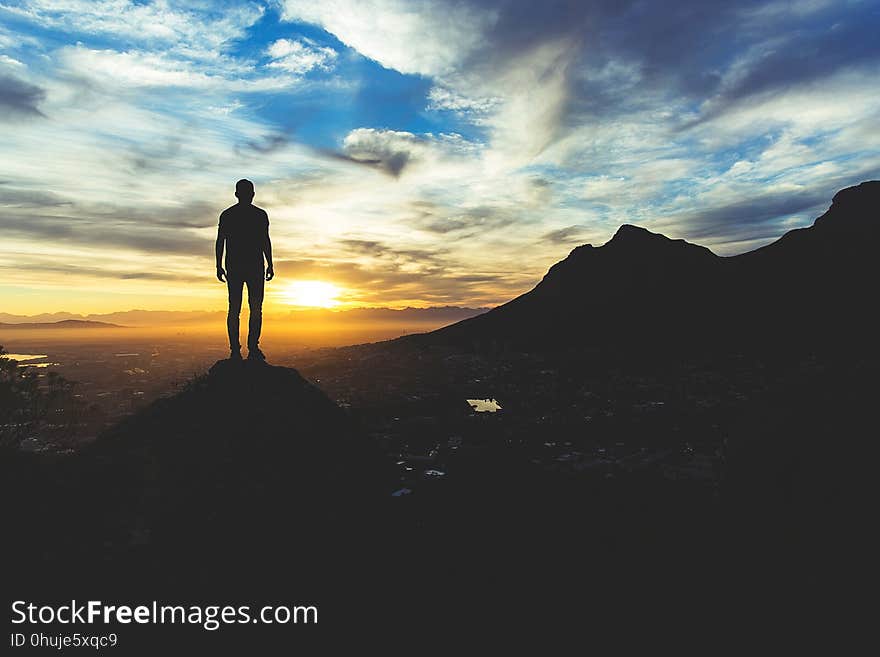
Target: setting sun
x,y
314,294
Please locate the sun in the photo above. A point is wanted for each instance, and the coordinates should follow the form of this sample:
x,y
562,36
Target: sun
x,y
313,294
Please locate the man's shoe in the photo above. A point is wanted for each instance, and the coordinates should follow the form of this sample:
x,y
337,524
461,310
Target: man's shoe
x,y
254,353
235,354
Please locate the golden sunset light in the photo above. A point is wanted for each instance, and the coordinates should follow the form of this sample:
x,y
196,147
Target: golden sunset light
x,y
311,294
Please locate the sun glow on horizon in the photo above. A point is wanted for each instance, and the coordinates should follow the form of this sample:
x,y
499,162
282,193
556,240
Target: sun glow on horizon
x,y
311,294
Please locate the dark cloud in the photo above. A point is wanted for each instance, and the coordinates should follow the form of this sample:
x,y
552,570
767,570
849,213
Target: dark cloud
x,y
424,258
464,224
54,229
808,54
670,45
42,207
370,247
391,163
480,279
12,197
747,218
146,157
759,217
681,48
564,235
96,272
19,98
342,157
266,145
386,150
183,214
159,276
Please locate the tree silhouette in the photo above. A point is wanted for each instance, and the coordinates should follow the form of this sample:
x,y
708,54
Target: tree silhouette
x,y
32,406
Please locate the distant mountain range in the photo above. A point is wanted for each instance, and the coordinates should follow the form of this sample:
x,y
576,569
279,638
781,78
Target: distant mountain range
x,y
642,288
62,324
435,315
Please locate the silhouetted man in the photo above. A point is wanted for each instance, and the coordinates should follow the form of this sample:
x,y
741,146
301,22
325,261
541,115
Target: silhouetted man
x,y
244,228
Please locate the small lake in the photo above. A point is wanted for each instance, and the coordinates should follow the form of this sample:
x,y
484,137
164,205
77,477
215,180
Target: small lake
x,y
26,359
484,405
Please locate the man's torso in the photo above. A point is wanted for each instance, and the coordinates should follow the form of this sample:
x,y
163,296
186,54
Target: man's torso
x,y
245,228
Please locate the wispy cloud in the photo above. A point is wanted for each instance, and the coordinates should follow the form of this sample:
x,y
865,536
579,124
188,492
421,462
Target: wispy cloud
x,y
19,98
298,57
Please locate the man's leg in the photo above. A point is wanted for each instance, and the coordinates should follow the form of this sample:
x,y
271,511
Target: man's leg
x,y
234,284
255,285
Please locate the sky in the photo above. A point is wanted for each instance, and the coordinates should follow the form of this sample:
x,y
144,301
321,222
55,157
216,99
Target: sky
x,y
412,152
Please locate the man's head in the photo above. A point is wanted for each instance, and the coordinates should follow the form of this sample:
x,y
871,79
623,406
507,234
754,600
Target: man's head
x,y
244,190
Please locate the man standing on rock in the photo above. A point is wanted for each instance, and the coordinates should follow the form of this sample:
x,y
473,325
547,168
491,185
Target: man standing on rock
x,y
244,229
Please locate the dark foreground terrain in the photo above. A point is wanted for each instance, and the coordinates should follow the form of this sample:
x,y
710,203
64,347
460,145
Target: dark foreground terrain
x,y
252,487
649,490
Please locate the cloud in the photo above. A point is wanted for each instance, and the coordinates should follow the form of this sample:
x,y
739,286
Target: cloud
x,y
809,54
565,235
442,98
84,230
163,227
466,223
198,29
400,257
387,150
299,57
392,151
112,273
10,62
606,189
11,197
543,70
19,98
505,64
423,38
268,144
732,216
752,218
169,45
115,70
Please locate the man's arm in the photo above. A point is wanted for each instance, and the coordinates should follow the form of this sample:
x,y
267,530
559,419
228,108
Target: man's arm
x,y
267,251
218,253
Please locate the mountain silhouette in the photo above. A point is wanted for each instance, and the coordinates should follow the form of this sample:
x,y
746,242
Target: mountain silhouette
x,y
644,288
62,324
816,282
